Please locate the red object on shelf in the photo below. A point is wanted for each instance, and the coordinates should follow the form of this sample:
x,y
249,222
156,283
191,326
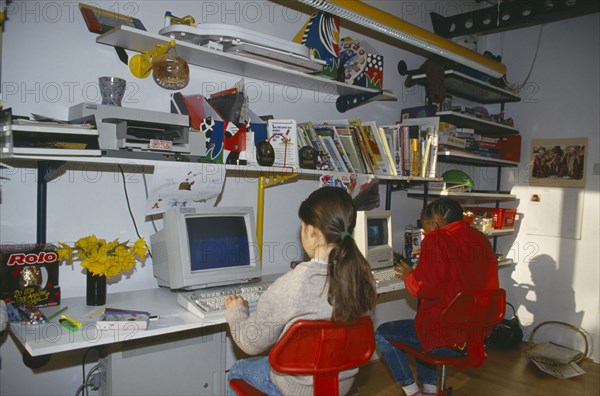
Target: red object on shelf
x,y
509,147
502,218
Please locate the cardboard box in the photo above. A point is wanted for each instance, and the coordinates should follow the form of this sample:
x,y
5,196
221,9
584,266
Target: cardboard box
x,y
29,274
362,64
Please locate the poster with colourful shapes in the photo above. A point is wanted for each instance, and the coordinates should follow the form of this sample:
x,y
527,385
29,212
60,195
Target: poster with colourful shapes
x,y
322,35
363,65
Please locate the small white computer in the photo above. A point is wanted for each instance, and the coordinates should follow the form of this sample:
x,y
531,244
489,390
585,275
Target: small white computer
x,y
373,236
200,248
207,255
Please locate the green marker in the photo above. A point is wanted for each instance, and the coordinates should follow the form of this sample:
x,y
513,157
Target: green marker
x,y
55,314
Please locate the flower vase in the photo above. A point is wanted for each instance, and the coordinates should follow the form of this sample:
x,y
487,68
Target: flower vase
x,y
95,289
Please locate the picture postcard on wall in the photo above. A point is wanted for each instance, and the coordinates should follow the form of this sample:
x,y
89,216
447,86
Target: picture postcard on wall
x,y
558,162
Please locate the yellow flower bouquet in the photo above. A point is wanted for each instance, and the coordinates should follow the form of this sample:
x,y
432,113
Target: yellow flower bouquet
x,y
103,258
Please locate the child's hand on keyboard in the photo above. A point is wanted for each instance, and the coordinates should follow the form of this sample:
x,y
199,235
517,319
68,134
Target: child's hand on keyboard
x,y
402,269
234,300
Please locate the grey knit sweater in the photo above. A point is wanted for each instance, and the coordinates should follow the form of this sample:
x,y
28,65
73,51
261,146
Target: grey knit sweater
x,y
299,294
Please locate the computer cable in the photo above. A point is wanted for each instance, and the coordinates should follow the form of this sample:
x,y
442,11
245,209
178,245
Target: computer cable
x,y
146,191
517,87
129,208
85,384
90,381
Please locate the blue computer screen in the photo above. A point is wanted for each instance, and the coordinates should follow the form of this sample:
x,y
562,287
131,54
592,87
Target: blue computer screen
x,y
376,229
217,242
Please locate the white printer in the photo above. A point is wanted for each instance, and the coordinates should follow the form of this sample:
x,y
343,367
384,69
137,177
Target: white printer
x,y
141,130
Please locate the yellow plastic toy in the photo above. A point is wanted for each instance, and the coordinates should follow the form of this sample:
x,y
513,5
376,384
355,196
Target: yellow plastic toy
x,y
140,65
171,19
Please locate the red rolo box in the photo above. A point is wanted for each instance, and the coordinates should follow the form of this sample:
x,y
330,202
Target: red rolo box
x,y
29,274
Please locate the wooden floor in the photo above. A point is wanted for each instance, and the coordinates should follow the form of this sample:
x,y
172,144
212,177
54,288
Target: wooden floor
x,y
505,372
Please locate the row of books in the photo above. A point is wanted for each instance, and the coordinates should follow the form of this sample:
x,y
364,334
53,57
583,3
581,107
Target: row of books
x,y
466,139
408,149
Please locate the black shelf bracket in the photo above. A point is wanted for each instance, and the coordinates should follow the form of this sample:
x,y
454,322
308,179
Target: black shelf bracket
x,y
46,171
510,15
400,185
347,102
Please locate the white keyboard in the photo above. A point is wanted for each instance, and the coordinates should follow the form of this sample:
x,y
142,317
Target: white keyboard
x,y
210,303
386,280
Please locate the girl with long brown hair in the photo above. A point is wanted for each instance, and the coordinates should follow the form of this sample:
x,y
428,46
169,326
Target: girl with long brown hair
x,y
334,284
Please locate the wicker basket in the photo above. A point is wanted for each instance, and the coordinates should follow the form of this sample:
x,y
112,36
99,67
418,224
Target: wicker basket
x,y
551,353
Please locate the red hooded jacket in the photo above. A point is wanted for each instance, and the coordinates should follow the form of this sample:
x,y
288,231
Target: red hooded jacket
x,y
453,258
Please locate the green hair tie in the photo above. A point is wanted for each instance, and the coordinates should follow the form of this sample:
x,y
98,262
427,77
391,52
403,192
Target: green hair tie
x,y
345,235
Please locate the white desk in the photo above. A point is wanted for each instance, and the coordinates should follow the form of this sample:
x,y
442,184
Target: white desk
x,y
178,353
134,361
52,338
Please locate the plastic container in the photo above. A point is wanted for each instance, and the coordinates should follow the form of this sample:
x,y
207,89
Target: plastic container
x,y
502,218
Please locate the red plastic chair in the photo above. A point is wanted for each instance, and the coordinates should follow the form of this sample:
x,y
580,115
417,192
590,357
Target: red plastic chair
x,y
476,312
319,348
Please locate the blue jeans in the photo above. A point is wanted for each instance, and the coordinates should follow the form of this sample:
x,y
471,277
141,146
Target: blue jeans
x,y
404,331
256,371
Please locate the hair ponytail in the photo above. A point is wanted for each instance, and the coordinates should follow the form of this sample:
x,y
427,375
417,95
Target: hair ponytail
x,y
351,282
351,285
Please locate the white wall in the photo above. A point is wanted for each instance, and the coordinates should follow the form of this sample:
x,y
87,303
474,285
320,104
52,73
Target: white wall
x,y
556,277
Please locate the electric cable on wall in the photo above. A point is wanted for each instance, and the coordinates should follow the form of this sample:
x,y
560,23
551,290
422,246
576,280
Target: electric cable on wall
x,y
129,207
517,87
146,191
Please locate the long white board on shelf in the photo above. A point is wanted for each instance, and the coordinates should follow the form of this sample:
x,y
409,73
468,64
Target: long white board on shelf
x,y
139,40
248,43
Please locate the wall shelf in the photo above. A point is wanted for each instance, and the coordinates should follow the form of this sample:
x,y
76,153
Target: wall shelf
x,y
481,126
473,197
470,88
506,263
252,169
466,158
500,232
139,40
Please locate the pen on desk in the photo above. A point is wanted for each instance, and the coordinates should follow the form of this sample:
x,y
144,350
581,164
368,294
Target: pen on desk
x,y
74,322
154,317
55,314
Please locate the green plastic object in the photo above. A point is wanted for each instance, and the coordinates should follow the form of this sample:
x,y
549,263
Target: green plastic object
x,y
457,177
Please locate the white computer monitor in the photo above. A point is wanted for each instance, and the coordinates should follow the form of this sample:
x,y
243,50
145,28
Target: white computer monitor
x,y
201,248
373,236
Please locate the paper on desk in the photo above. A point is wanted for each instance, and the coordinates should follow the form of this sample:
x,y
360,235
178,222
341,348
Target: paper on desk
x,y
184,185
561,371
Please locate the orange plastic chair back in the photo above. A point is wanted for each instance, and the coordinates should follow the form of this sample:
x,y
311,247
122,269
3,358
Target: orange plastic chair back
x,y
475,312
320,348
